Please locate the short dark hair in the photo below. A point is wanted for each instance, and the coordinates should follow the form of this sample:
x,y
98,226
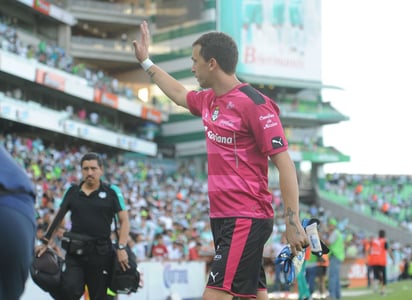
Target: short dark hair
x,y
92,156
220,46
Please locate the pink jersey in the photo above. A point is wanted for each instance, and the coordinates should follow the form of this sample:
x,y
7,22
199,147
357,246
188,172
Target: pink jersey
x,y
242,129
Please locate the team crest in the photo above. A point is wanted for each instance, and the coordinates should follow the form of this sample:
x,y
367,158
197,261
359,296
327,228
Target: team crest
x,y
215,113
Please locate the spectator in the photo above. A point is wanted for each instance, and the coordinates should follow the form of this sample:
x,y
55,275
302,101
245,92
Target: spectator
x,y
312,271
123,39
159,250
176,251
139,247
323,264
94,118
336,245
81,114
194,251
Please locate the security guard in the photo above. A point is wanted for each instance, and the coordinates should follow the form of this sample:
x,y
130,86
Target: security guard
x,y
89,252
17,226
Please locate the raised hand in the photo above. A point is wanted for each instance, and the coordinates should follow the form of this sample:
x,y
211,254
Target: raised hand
x,y
141,48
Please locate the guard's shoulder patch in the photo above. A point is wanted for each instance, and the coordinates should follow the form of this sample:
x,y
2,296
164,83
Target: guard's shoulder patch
x,y
253,94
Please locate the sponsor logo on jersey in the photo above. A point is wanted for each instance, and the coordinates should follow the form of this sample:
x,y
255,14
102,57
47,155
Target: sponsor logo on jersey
x,y
228,140
270,121
226,123
268,116
270,124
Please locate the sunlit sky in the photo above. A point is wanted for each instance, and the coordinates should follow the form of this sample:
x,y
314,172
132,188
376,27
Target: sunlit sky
x,y
367,50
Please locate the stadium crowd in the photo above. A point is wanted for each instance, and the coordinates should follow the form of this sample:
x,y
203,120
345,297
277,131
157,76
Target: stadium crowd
x,y
168,210
376,195
52,55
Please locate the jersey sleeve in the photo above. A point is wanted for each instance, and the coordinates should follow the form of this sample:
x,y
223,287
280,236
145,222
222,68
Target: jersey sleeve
x,y
120,204
194,103
266,127
197,101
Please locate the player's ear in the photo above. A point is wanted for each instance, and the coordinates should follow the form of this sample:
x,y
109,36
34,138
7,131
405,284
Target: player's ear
x,y
213,63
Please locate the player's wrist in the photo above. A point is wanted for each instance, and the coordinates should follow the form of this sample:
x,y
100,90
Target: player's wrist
x,y
146,64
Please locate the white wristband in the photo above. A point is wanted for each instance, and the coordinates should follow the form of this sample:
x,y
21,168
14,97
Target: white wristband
x,y
146,64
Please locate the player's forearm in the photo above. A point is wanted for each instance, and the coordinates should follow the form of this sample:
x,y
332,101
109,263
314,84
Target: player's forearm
x,y
290,194
288,185
170,86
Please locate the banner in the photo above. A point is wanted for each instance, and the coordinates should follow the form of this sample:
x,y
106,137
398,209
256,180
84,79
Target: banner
x,y
106,98
42,6
185,280
151,114
276,38
50,79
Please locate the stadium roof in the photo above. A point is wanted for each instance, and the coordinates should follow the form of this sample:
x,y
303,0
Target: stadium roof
x,y
293,83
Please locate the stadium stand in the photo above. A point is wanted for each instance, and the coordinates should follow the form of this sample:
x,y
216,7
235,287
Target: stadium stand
x,y
164,201
383,198
47,127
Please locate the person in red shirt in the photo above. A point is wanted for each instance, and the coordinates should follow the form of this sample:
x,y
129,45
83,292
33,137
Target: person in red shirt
x,y
378,252
366,249
194,252
159,250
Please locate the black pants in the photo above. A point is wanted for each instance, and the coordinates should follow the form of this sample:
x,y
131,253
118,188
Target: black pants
x,y
93,270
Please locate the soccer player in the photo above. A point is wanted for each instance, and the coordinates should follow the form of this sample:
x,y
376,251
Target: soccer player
x,y
243,130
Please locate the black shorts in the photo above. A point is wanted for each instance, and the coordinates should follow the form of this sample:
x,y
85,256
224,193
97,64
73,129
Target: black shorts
x,y
237,266
379,273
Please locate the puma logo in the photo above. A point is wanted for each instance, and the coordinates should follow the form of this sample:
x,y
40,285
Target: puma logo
x,y
277,142
214,276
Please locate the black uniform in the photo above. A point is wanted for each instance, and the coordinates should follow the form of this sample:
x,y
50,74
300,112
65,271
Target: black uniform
x,y
90,263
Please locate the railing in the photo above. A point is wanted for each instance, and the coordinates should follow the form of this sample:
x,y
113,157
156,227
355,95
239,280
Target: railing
x,y
112,8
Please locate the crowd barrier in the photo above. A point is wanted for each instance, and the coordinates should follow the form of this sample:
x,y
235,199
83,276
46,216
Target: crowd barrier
x,y
186,280
178,280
